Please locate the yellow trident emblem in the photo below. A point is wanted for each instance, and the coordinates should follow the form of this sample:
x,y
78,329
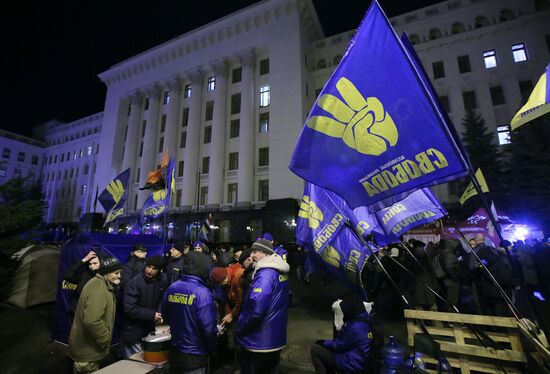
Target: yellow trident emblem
x,y
330,256
363,124
159,195
310,211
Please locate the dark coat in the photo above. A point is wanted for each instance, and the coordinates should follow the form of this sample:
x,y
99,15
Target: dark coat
x,y
449,262
131,268
141,300
422,269
174,269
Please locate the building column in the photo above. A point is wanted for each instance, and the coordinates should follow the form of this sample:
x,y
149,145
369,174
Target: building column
x,y
171,131
217,148
247,132
191,158
130,158
148,157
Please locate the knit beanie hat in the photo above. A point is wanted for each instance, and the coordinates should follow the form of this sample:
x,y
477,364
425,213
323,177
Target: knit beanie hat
x,y
267,236
218,275
155,261
263,245
180,246
139,247
109,265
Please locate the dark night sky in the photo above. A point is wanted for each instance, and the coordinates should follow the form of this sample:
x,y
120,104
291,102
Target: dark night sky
x,y
54,49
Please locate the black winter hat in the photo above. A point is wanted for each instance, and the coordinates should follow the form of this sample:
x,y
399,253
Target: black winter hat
x,y
352,306
109,265
139,247
180,246
263,245
244,255
156,261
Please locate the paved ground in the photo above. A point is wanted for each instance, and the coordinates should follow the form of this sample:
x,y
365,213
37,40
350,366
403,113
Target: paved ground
x,y
26,345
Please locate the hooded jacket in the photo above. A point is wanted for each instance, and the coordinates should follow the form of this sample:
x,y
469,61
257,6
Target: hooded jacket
x,y
141,300
352,345
173,268
94,320
281,251
189,308
263,320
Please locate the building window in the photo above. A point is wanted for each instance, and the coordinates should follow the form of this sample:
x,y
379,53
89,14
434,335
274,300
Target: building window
x,y
464,64
204,195
161,144
209,110
438,69
184,117
141,149
128,114
21,156
525,88
163,123
234,128
445,104
207,134
71,174
187,91
55,158
180,169
62,157
34,160
263,190
65,174
490,58
236,103
183,139
135,201
236,75
138,172
503,133
470,101
233,161
264,66
178,198
17,173
264,122
166,98
497,95
211,83
263,156
89,150
264,96
520,52
2,171
205,165
143,126
232,193
146,106
83,189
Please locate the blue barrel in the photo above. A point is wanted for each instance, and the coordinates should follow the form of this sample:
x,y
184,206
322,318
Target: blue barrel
x,y
393,357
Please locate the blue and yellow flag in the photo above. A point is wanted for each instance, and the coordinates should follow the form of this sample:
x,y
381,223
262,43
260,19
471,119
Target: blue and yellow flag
x,y
537,105
158,201
114,196
375,131
418,208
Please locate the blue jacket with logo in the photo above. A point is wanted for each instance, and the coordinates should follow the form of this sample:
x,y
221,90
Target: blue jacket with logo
x,y
263,320
352,345
188,307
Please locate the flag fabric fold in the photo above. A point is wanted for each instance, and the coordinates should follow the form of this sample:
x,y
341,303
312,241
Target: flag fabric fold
x,y
205,228
114,196
537,105
375,133
471,190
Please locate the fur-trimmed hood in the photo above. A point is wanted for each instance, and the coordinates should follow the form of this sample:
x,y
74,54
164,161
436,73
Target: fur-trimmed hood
x,y
273,262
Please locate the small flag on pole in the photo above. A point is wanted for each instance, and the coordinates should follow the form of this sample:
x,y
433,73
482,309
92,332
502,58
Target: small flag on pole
x,y
537,105
471,191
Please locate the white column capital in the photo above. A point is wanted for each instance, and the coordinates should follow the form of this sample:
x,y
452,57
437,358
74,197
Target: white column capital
x,y
195,76
220,67
247,58
173,84
153,92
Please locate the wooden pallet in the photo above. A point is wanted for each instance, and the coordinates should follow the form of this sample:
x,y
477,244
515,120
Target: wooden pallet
x,y
461,346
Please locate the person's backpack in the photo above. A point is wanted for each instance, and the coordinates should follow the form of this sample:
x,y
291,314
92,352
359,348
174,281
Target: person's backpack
x,y
437,268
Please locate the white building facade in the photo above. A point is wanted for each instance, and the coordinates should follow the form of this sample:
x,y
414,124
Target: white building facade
x,y
228,101
21,157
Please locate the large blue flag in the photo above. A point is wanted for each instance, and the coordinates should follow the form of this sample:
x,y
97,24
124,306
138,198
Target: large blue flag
x,y
115,195
375,132
158,201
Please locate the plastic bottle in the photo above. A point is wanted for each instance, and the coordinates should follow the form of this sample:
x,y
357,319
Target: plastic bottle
x,y
393,357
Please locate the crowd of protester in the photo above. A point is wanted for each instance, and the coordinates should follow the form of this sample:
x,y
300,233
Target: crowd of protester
x,y
462,274
213,301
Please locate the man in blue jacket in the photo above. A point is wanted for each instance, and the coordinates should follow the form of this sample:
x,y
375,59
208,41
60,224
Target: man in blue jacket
x,y
189,309
141,303
261,327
